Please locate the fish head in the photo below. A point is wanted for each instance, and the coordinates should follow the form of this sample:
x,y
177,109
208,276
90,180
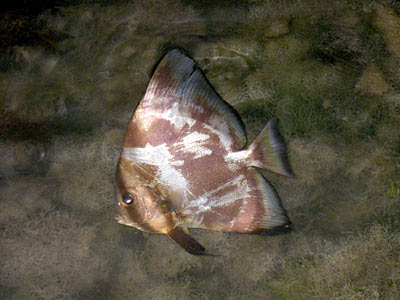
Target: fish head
x,y
139,203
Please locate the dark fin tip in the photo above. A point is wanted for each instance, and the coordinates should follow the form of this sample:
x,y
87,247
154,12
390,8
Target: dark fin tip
x,y
286,228
288,171
187,242
271,152
164,51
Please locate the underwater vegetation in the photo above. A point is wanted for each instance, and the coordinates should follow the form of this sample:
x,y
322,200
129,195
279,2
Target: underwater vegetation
x,y
70,77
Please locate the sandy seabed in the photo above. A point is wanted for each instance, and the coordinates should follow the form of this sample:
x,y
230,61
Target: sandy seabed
x,y
70,79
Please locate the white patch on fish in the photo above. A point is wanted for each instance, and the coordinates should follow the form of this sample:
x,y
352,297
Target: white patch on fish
x,y
148,114
175,117
236,159
220,129
210,199
160,157
193,143
194,106
145,118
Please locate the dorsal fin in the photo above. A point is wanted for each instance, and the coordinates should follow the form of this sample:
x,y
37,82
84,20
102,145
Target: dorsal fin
x,y
198,89
170,75
177,79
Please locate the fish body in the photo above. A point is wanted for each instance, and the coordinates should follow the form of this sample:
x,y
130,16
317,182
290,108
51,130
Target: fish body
x,y
184,163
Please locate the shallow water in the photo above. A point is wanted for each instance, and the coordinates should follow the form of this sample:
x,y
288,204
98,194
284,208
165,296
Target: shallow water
x,y
330,74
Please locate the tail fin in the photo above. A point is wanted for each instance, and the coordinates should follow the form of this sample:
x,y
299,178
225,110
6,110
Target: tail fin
x,y
269,151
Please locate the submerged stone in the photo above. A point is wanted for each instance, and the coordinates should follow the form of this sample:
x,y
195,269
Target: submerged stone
x,y
372,82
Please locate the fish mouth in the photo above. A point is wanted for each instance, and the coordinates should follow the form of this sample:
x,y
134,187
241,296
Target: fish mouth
x,y
123,221
124,218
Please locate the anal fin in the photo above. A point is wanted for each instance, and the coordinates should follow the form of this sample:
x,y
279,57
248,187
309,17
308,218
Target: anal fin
x,y
274,219
183,238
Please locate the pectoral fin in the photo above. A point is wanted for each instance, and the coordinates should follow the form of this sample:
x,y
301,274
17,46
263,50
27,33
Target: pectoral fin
x,y
183,238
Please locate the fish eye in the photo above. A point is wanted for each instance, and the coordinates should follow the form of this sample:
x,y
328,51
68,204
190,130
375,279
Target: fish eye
x,y
128,198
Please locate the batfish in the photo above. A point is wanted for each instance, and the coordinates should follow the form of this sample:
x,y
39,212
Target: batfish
x,y
184,162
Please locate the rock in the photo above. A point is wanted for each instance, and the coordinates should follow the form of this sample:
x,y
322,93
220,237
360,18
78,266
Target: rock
x,y
372,82
388,22
226,65
277,28
23,157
